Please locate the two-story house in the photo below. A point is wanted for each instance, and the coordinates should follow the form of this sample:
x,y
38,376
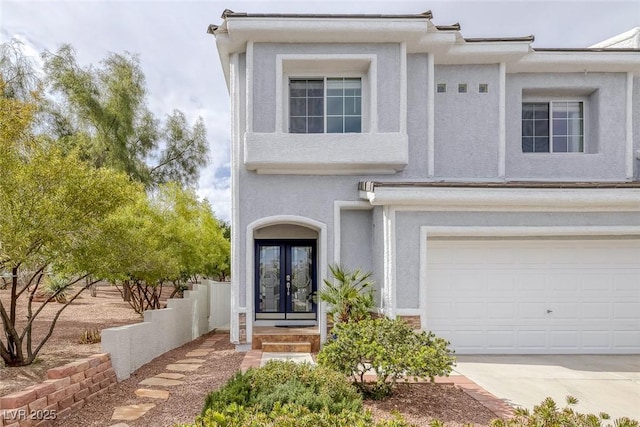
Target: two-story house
x,y
492,188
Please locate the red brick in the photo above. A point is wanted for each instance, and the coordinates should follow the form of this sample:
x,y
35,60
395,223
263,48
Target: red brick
x,y
61,372
91,397
76,378
94,388
37,405
44,389
18,399
62,414
44,423
110,372
77,406
103,357
86,383
91,372
105,383
50,409
56,396
101,392
112,386
60,383
103,366
97,377
66,402
27,422
12,425
72,389
81,394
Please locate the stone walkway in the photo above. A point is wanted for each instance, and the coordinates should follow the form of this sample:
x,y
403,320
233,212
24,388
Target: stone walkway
x,y
155,387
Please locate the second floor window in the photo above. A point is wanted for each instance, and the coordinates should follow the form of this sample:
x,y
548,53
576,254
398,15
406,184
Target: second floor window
x,y
325,105
553,127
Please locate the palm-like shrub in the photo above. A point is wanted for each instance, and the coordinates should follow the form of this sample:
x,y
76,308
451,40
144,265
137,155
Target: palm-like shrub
x,y
350,294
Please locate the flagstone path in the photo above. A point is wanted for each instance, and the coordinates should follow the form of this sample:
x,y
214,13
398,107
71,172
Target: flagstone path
x,y
154,387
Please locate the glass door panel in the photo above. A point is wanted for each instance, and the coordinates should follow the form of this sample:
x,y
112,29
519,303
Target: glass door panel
x,y
285,280
269,263
301,283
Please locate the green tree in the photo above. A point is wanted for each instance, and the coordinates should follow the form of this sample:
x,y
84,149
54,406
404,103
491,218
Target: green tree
x,y
51,204
102,113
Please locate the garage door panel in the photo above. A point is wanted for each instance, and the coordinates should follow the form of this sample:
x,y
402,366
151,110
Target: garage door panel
x,y
596,340
596,311
626,310
626,339
497,301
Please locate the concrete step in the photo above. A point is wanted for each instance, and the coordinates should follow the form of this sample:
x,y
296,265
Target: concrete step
x,y
286,347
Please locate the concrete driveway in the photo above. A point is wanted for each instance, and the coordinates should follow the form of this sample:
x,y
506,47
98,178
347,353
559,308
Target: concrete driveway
x,y
608,384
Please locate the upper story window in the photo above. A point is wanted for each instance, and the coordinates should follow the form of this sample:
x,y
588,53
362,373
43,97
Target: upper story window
x,y
553,127
325,105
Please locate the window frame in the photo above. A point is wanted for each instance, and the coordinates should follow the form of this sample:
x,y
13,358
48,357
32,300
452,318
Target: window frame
x,y
325,103
322,66
550,101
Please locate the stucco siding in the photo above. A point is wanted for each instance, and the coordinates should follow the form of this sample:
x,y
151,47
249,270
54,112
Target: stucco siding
x,y
467,124
264,82
605,118
356,238
417,126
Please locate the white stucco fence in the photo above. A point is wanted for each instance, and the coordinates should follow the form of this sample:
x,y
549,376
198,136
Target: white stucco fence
x,y
202,309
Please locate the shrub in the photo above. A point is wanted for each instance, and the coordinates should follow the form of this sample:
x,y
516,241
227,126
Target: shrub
x,y
290,415
90,336
236,391
350,295
280,382
390,349
548,414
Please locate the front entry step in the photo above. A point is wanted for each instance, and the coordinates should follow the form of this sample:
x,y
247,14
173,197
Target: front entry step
x,y
286,347
293,335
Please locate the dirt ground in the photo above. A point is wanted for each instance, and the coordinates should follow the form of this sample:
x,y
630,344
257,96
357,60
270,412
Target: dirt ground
x,y
105,310
418,403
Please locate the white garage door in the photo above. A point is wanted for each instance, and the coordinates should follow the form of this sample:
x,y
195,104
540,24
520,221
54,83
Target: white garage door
x,y
535,296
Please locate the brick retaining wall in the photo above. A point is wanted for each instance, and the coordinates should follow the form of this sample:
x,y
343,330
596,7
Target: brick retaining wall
x,y
66,389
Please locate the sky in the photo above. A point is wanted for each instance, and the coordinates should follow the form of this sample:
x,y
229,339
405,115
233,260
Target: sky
x,y
183,69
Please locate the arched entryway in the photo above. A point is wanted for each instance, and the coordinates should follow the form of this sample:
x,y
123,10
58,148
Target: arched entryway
x,y
286,262
285,273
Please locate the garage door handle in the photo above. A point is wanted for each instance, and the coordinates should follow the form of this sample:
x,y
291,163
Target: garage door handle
x,y
549,311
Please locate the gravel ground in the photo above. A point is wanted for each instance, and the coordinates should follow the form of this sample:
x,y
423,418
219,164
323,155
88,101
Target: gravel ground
x,y
85,313
185,401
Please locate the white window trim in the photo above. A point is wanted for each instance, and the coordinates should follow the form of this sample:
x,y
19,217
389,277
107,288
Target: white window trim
x,y
363,111
291,66
550,100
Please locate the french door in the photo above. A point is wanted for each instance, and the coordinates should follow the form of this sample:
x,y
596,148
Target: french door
x,y
285,279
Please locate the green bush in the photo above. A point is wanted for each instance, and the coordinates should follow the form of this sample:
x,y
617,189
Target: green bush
x,y
280,382
349,295
390,349
290,415
549,415
236,391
